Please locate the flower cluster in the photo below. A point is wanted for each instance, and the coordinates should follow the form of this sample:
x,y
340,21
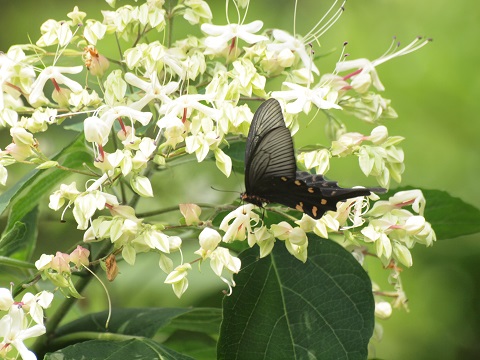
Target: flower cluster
x,y
58,268
167,98
23,320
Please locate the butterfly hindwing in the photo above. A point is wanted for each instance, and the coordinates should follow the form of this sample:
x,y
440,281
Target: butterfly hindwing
x,y
309,199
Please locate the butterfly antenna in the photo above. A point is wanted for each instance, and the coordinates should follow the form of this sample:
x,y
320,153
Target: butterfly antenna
x,y
227,191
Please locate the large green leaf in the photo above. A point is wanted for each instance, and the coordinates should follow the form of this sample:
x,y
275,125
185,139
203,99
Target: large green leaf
x,y
282,308
36,185
450,216
138,349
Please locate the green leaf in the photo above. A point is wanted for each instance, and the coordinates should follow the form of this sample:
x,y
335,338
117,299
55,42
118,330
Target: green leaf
x,y
36,185
146,321
199,346
450,216
138,349
202,320
21,186
77,127
19,241
282,308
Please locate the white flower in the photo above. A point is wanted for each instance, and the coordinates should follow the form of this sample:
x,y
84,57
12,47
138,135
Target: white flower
x,y
295,239
241,224
153,89
44,262
209,240
87,203
197,11
6,299
402,254
56,73
367,73
322,97
286,41
178,279
184,104
174,129
35,304
318,159
14,330
156,240
221,258
221,35
93,31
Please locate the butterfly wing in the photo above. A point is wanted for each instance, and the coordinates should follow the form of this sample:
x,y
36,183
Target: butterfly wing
x,y
269,151
310,199
329,186
270,169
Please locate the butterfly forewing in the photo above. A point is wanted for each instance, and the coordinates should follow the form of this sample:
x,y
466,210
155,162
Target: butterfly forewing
x,y
273,158
267,117
269,151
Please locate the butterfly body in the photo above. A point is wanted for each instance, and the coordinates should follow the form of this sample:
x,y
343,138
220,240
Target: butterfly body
x,y
271,174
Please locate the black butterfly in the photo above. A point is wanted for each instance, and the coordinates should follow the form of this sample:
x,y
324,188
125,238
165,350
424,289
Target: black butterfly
x,y
271,174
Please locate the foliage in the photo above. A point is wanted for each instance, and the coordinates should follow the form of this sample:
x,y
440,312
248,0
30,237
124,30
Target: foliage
x,y
160,101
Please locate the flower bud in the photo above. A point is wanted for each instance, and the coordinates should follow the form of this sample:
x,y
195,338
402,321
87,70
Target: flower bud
x,y
383,310
142,186
402,254
223,162
60,262
45,262
378,135
191,213
79,256
209,239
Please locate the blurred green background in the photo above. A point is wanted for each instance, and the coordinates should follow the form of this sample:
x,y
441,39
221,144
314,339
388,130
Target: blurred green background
x,y
435,94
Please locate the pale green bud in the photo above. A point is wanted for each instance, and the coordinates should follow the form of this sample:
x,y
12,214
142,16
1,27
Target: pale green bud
x,y
223,162
402,254
141,185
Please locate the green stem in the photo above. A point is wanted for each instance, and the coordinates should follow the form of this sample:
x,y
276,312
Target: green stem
x,y
170,27
76,337
170,209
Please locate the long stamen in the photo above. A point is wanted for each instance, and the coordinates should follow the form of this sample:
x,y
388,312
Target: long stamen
x,y
245,13
238,11
319,29
413,46
393,47
295,18
226,11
